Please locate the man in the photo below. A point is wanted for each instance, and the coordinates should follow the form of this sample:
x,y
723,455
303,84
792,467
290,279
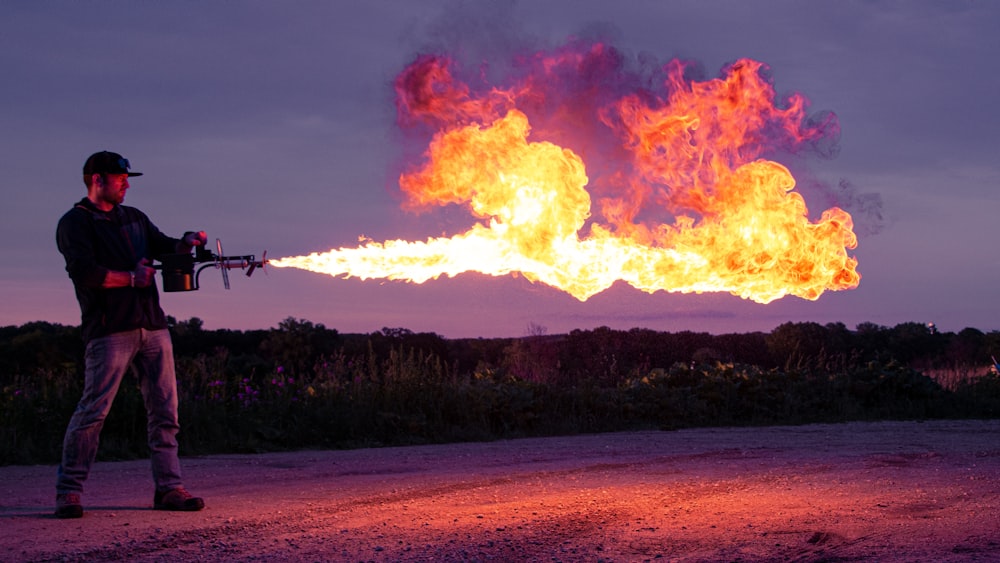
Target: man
x,y
109,250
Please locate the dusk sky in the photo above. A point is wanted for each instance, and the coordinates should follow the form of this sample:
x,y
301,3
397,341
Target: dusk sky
x,y
272,125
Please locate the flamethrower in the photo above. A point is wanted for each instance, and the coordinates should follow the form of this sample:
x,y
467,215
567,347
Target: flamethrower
x,y
179,272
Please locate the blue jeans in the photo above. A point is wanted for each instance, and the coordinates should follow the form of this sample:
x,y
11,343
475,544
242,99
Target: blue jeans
x,y
106,361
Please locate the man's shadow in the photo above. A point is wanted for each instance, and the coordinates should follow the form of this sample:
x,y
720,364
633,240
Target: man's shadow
x,y
11,512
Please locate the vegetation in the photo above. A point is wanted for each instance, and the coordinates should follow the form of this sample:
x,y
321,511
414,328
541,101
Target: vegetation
x,y
302,385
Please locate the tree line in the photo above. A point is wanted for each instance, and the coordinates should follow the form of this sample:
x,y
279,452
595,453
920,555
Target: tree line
x,y
302,384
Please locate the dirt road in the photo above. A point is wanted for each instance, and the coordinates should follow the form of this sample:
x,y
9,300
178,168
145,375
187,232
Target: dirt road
x,y
899,491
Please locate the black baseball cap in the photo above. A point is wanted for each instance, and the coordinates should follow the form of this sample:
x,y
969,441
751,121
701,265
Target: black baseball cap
x,y
106,162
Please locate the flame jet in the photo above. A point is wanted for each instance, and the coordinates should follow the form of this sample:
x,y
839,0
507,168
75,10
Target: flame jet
x,y
685,201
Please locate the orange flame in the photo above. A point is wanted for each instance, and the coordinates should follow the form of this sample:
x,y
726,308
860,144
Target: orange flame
x,y
723,217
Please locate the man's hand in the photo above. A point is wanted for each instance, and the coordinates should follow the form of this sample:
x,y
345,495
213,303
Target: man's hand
x,y
144,274
195,239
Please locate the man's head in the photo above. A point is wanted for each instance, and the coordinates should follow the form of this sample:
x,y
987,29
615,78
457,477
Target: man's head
x,y
106,162
106,176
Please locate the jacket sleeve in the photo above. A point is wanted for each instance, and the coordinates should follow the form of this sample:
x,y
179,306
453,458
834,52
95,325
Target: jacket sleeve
x,y
157,243
76,246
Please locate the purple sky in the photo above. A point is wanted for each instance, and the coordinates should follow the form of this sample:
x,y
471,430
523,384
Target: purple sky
x,y
271,126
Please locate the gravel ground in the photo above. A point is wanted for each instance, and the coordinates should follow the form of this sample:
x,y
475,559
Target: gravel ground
x,y
889,491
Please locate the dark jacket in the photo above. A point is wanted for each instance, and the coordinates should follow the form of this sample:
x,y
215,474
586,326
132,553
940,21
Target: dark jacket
x,y
94,242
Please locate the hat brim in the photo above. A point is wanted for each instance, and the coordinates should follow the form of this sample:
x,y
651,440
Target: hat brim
x,y
130,174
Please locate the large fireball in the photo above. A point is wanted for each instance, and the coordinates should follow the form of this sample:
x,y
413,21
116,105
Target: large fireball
x,y
682,197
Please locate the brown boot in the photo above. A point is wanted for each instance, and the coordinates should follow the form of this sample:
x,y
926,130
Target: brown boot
x,y
68,506
177,499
